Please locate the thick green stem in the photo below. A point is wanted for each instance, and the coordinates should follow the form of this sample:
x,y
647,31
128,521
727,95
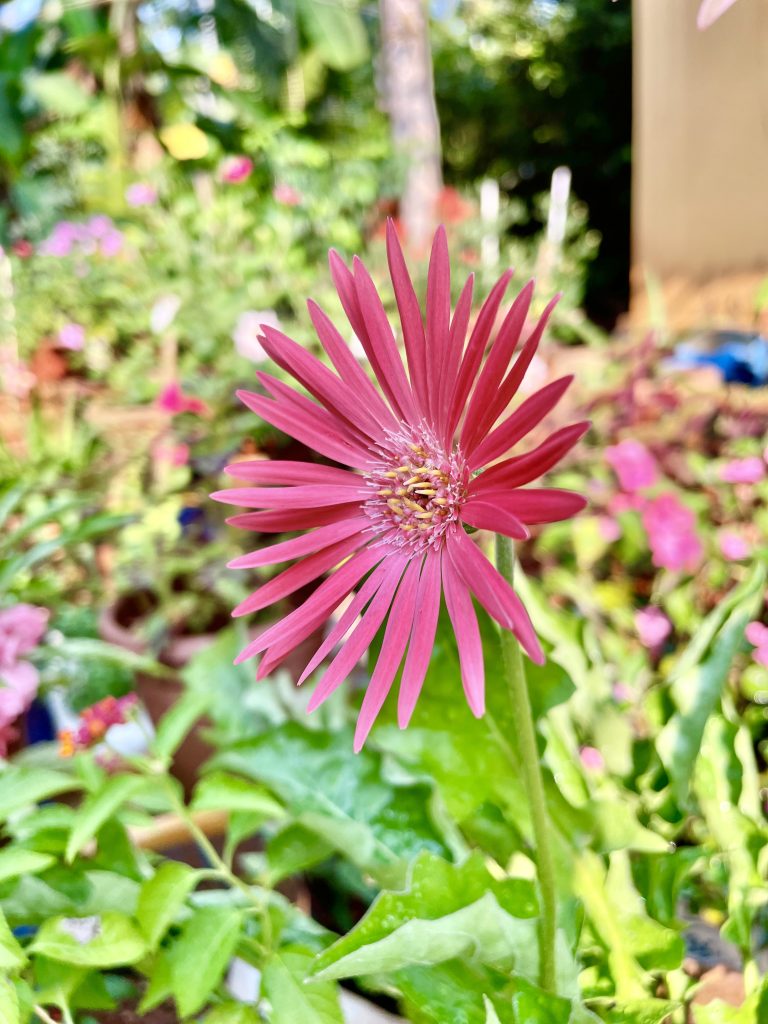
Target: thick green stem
x,y
534,781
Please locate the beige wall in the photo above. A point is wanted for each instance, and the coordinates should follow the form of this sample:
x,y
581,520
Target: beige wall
x,y
700,173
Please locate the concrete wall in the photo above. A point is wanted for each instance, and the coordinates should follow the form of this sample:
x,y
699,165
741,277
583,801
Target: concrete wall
x,y
700,189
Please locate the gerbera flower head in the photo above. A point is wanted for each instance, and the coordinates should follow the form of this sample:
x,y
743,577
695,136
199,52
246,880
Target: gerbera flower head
x,y
426,457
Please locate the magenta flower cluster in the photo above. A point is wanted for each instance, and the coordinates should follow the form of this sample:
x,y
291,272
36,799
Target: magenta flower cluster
x,y
21,629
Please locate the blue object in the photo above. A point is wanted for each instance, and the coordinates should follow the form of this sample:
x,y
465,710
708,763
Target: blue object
x,y
740,357
39,724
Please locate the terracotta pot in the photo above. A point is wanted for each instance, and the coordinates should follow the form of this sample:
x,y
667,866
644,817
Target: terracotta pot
x,y
159,694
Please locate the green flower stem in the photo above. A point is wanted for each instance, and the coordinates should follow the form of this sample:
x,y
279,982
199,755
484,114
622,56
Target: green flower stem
x,y
534,781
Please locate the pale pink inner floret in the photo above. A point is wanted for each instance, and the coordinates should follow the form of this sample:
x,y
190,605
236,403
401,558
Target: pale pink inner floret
x,y
417,490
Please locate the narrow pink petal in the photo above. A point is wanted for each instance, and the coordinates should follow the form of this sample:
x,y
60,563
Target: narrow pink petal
x,y
495,367
302,621
297,547
279,471
286,520
319,381
301,419
392,649
422,637
488,515
383,341
456,338
493,592
542,504
464,622
521,469
347,619
410,317
301,496
348,367
530,413
362,635
473,356
297,576
509,386
438,317
330,419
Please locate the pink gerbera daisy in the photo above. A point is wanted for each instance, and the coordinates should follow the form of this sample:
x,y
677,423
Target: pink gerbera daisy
x,y
423,462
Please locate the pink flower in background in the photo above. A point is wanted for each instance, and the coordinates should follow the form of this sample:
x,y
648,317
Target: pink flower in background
x,y
711,10
21,629
286,195
610,529
592,759
743,471
141,194
653,627
671,529
112,243
733,546
247,333
395,520
16,379
633,464
625,503
174,454
61,240
235,169
757,634
72,336
96,722
173,401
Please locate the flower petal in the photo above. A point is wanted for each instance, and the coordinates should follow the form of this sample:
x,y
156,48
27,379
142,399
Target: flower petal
x,y
493,592
422,637
284,471
392,649
307,544
301,496
285,520
456,338
464,622
438,317
522,469
298,575
473,356
410,317
362,635
535,505
531,412
487,515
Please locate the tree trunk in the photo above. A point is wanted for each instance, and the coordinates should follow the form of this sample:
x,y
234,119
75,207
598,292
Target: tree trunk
x,y
409,94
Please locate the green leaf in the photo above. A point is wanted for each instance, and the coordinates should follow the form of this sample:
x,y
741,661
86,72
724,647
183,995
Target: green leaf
x,y
200,956
285,985
177,723
340,796
698,686
162,897
16,861
59,93
12,956
102,940
99,807
23,786
69,893
447,911
337,32
220,791
491,1017
642,1011
294,849
86,649
233,1013
9,1002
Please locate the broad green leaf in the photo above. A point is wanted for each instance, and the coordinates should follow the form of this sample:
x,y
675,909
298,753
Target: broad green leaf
x,y
642,1011
99,807
294,849
220,791
337,32
22,786
59,93
84,648
201,954
698,687
161,898
101,940
174,727
16,861
12,956
340,796
446,911
285,985
9,1002
69,893
233,1013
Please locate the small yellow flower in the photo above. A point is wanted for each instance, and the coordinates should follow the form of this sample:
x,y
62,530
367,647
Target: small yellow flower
x,y
185,141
